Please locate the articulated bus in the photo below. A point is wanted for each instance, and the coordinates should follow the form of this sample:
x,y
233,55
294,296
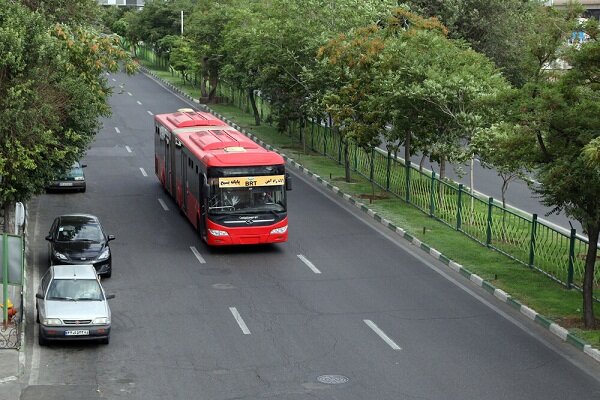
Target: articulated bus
x,y
232,190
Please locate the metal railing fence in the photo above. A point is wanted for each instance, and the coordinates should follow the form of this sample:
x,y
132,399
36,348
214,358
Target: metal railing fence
x,y
514,233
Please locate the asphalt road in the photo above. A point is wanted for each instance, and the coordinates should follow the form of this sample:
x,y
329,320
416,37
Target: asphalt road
x,y
341,311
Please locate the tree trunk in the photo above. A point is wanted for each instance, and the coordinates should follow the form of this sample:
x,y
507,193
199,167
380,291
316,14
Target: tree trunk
x,y
6,217
203,88
442,168
347,161
588,281
254,107
213,80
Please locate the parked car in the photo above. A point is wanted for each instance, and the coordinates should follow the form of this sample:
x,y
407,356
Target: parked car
x,y
80,239
73,179
72,305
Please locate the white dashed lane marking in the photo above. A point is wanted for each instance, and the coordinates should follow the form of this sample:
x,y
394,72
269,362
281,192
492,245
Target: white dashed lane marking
x,y
143,171
382,334
117,130
198,255
239,320
163,205
309,264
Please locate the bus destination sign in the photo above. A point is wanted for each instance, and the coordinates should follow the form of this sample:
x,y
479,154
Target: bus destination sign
x,y
251,181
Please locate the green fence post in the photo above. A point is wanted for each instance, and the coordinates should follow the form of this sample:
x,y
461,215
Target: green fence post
x,y
459,208
432,195
387,173
571,258
407,166
372,171
488,239
532,240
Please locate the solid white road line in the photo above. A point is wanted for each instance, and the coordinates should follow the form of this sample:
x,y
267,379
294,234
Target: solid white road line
x,y
198,255
239,320
381,334
149,112
128,149
163,205
143,171
309,264
139,102
117,130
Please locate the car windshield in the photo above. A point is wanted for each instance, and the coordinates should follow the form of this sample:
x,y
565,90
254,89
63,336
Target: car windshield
x,y
86,231
75,290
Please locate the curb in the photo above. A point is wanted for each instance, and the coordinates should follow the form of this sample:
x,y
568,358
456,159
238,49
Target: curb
x,y
501,295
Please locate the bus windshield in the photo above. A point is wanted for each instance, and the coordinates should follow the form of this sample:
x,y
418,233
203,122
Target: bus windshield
x,y
242,200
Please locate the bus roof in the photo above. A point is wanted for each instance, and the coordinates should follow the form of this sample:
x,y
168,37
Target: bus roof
x,y
187,118
226,148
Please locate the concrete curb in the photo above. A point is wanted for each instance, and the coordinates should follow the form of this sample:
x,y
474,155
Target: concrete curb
x,y
551,326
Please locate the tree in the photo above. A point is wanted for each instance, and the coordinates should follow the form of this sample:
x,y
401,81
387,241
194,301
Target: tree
x,y
555,116
51,95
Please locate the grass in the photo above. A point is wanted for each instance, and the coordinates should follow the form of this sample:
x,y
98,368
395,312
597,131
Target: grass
x,y
527,286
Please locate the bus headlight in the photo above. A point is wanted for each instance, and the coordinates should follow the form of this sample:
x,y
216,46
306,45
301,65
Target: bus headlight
x,y
216,232
281,230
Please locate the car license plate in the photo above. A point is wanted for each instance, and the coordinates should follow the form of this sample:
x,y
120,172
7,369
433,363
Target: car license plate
x,y
65,184
79,332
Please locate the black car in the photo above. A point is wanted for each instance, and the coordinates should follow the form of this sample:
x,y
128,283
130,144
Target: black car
x,y
80,239
72,180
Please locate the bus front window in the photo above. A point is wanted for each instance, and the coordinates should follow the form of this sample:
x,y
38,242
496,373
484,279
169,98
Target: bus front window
x,y
246,200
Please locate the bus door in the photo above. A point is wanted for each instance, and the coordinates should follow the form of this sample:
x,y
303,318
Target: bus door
x,y
185,187
203,200
168,171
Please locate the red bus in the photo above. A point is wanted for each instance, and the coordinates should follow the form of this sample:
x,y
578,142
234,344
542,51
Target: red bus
x,y
231,189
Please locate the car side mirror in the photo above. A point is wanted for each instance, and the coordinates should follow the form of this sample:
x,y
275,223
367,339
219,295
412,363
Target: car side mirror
x,y
110,296
288,182
83,165
49,238
111,237
39,296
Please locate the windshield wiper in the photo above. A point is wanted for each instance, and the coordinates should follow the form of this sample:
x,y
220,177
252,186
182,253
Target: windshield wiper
x,y
87,299
61,298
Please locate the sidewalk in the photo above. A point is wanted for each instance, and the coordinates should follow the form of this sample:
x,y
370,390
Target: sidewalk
x,y
10,387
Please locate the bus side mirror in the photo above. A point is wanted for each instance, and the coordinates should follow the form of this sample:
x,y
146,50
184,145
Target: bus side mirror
x,y
205,188
288,182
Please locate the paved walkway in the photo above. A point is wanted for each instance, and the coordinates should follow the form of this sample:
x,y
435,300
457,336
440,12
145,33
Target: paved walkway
x,y
10,387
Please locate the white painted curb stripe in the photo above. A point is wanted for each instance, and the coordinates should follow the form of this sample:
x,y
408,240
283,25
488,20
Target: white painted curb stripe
x,y
436,254
309,264
476,279
528,312
455,266
239,320
592,352
559,331
198,255
501,294
416,242
381,334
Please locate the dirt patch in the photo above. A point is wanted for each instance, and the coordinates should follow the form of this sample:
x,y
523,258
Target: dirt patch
x,y
570,322
372,197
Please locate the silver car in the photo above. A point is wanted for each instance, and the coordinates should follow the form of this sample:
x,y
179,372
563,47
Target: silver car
x,y
71,305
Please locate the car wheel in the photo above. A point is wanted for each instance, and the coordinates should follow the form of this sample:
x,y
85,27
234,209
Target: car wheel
x,y
42,341
108,274
37,317
83,190
105,340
